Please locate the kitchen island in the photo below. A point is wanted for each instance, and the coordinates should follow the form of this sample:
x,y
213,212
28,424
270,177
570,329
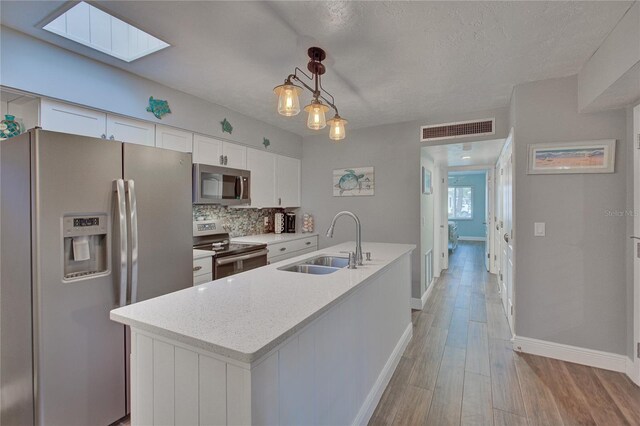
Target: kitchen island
x,y
273,347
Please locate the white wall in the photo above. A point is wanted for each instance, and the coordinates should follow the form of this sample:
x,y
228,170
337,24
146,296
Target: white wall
x,y
393,214
571,286
38,67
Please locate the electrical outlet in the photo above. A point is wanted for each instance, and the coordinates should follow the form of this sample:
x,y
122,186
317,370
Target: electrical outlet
x,y
539,229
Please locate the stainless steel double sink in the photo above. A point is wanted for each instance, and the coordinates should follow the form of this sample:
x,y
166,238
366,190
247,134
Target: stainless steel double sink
x,y
319,265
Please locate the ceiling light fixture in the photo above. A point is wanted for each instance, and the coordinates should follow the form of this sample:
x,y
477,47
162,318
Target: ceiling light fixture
x,y
289,102
466,157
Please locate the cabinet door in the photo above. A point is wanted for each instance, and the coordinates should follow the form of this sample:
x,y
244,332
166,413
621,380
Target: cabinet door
x,y
66,118
128,130
207,150
262,166
288,181
174,139
235,156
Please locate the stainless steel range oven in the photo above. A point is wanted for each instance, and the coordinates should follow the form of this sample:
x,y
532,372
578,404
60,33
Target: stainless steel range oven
x,y
229,258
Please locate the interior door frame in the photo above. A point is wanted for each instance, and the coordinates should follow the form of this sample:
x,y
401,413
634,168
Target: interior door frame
x,y
634,368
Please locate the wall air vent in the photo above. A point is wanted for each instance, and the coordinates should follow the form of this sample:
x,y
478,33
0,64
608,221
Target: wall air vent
x,y
461,129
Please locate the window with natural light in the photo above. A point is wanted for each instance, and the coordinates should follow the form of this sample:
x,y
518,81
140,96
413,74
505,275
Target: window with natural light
x,y
460,203
92,27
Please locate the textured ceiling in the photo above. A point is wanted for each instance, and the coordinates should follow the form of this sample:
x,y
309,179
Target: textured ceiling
x,y
388,61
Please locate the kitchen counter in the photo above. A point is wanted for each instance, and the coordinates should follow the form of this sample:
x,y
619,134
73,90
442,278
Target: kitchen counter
x,y
273,238
246,315
201,254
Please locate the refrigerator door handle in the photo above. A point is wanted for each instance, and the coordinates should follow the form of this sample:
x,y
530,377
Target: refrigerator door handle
x,y
133,228
118,185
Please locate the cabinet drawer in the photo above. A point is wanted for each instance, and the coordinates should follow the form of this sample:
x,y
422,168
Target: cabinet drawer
x,y
278,258
201,279
202,266
287,247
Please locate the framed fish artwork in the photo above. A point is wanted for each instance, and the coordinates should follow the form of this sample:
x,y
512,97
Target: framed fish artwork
x,y
353,182
596,156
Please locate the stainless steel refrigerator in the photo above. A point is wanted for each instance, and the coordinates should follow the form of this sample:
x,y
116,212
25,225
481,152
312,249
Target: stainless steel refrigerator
x,y
87,225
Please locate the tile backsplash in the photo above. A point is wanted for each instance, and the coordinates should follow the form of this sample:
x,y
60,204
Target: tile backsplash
x,y
237,222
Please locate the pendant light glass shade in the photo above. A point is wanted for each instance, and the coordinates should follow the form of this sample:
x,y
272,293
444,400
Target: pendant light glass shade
x,y
288,101
316,119
337,132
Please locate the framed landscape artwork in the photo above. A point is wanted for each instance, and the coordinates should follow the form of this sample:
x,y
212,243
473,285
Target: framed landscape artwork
x,y
353,182
596,156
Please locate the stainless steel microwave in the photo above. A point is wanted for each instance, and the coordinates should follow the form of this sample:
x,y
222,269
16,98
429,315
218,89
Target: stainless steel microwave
x,y
221,185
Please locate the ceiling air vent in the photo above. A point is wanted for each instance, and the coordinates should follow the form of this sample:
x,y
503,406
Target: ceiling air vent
x,y
461,129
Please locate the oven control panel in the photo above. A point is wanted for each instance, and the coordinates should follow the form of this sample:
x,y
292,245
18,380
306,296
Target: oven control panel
x,y
207,227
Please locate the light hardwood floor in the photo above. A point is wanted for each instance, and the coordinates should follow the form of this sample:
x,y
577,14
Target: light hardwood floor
x,y
459,368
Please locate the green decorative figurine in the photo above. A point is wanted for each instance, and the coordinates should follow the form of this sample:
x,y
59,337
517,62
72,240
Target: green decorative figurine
x,y
266,142
158,107
226,126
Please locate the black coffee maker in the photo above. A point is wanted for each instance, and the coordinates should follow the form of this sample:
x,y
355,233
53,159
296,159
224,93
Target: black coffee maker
x,y
290,222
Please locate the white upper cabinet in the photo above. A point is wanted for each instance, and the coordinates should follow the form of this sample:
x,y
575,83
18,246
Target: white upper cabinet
x,y
235,156
128,130
66,118
287,181
262,166
174,139
207,150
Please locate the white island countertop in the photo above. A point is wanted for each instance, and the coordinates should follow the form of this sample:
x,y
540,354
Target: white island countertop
x,y
244,316
273,238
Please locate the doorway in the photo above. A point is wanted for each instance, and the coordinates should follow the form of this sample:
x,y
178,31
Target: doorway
x,y
635,368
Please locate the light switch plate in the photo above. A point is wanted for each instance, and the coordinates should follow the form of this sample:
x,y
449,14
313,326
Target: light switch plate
x,y
539,229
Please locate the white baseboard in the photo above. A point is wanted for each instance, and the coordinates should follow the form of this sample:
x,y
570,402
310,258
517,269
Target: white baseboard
x,y
419,304
472,238
632,372
370,404
590,357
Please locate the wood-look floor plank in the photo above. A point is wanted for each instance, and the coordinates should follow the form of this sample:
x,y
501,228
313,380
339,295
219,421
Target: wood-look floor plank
x,y
569,399
414,407
446,404
625,394
478,349
502,418
498,326
392,397
478,308
477,404
602,407
458,328
425,367
504,378
539,402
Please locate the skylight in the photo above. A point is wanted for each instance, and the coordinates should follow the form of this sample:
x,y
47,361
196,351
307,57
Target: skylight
x,y
90,26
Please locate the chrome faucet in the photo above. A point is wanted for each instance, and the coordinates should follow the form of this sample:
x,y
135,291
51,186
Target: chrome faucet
x,y
358,233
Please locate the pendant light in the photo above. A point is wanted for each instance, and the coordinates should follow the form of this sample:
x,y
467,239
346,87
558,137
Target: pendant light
x,y
316,119
289,103
336,131
288,99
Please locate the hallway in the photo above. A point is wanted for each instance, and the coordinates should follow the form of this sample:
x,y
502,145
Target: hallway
x,y
459,368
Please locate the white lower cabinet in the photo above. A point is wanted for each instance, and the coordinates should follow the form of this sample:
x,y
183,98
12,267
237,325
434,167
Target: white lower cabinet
x,y
174,139
292,248
331,372
202,270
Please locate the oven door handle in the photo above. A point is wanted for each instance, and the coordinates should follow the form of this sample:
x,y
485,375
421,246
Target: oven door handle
x,y
232,259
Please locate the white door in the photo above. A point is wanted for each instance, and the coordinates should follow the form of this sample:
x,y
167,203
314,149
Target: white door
x,y
128,130
635,376
66,118
174,139
444,214
262,166
288,181
207,150
508,239
235,156
487,220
